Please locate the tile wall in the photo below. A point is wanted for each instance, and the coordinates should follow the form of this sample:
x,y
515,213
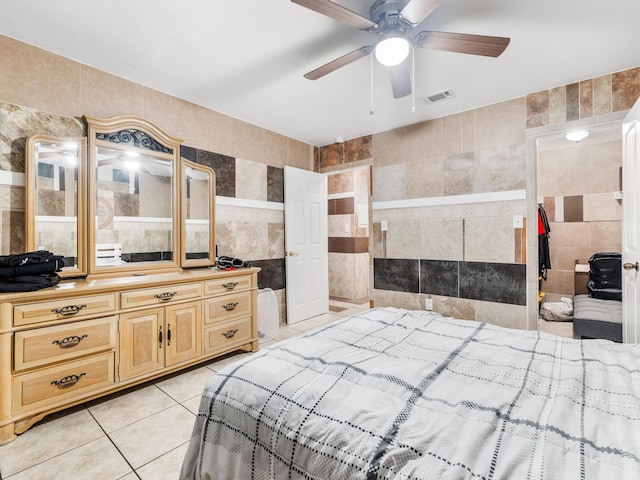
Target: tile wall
x,y
42,93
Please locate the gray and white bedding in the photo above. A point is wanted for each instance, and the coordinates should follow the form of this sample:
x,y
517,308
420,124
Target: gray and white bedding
x,y
399,394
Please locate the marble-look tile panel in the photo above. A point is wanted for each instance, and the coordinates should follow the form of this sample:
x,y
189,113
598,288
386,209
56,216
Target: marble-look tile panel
x,y
602,95
104,95
273,273
403,239
401,275
501,124
493,282
441,239
387,149
19,123
275,184
557,105
251,180
502,314
331,155
586,99
225,168
358,149
36,78
439,277
425,177
389,183
489,239
538,108
572,102
625,89
422,140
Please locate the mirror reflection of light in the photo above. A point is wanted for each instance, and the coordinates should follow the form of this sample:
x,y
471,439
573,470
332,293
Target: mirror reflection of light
x,y
131,164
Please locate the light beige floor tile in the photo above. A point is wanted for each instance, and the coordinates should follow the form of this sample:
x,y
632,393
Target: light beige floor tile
x,y
227,360
152,437
185,385
167,467
98,459
192,404
47,440
128,408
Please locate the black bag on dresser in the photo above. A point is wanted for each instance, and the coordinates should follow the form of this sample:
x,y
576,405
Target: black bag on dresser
x,y
25,272
605,276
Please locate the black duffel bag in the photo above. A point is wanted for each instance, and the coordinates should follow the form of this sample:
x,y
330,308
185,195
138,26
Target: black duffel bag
x,y
25,272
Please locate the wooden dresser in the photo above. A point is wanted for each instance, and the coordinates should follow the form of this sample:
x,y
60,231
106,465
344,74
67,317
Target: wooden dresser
x,y
86,338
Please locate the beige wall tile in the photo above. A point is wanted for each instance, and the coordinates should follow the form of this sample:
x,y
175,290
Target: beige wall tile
x,y
104,95
489,240
425,177
422,140
389,183
441,239
251,180
501,124
388,148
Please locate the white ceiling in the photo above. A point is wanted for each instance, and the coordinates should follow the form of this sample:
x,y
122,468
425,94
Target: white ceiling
x,y
246,58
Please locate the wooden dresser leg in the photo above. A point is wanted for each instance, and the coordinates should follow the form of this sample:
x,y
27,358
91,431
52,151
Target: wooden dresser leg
x,y
7,434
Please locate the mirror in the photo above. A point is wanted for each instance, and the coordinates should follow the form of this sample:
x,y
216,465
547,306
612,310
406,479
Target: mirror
x,y
55,193
133,193
198,218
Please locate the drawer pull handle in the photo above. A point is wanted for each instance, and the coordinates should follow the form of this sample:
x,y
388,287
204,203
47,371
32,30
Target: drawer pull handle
x,y
230,333
230,285
69,342
68,310
68,381
230,306
165,296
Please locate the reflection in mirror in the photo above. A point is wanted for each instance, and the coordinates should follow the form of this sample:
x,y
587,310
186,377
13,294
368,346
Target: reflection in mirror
x,y
55,182
134,207
198,194
133,185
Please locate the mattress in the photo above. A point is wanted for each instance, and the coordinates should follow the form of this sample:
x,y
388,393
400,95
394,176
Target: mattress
x,y
400,394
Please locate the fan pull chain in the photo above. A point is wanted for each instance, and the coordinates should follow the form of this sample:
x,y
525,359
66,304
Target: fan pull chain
x,y
413,79
371,111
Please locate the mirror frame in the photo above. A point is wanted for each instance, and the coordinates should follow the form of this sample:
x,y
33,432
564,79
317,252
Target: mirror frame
x,y
31,195
199,262
98,126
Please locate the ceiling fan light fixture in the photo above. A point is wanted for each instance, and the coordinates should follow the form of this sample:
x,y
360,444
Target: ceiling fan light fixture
x,y
392,50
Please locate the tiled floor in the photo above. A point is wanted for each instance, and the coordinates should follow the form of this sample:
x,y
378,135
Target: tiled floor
x,y
141,433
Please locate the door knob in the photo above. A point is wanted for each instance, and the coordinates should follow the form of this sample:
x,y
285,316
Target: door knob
x,y
631,266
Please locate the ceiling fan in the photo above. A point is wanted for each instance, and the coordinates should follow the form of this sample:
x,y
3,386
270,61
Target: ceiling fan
x,y
393,21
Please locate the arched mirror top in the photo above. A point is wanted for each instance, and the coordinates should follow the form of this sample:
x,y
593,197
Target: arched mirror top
x,y
133,196
198,214
55,197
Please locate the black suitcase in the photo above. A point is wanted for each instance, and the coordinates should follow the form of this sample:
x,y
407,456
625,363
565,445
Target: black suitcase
x,y
605,276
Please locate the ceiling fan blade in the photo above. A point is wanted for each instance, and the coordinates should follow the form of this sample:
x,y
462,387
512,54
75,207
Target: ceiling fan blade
x,y
337,12
400,80
417,10
338,63
462,43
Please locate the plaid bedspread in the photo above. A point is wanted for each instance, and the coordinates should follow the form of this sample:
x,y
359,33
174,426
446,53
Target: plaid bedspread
x,y
400,394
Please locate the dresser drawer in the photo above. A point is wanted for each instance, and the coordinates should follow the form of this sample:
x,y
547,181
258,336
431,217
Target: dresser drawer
x,y
41,346
227,307
227,284
64,308
62,382
160,295
227,335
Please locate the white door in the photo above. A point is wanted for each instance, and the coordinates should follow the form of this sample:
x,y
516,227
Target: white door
x,y
631,225
306,243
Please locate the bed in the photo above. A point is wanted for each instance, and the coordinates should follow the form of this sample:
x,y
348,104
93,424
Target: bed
x,y
401,394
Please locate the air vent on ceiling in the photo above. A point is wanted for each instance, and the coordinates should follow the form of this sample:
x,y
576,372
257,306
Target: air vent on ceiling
x,y
437,97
